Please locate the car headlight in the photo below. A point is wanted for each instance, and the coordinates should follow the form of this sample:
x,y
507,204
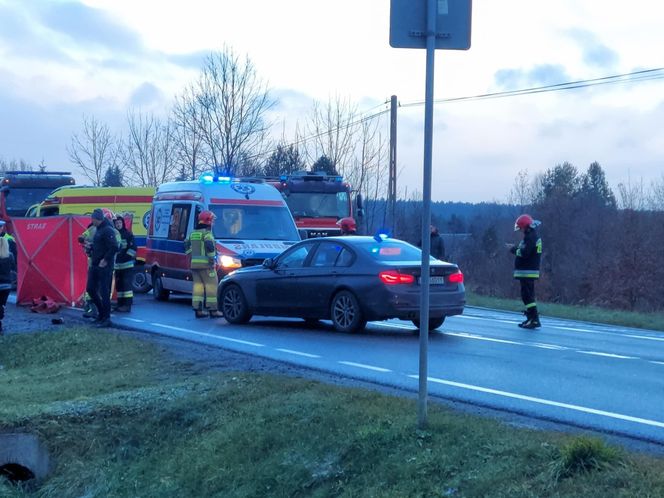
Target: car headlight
x,y
227,262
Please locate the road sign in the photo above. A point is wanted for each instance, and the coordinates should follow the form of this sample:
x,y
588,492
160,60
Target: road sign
x,y
408,24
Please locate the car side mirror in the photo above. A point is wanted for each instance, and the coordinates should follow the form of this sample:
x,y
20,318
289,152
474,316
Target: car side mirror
x,y
268,263
303,233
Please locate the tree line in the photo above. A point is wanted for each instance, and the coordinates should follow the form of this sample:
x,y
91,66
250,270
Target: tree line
x,y
220,123
599,248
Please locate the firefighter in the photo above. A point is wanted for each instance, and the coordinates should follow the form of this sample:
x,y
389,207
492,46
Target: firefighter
x,y
124,266
347,226
85,239
200,246
527,267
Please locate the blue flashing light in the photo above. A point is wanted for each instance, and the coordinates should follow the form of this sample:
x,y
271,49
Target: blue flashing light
x,y
283,178
207,178
224,179
337,179
382,234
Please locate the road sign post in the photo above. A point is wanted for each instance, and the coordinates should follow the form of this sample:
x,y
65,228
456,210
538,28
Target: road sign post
x,y
429,24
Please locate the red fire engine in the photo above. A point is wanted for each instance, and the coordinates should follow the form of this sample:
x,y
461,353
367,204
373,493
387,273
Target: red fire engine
x,y
317,200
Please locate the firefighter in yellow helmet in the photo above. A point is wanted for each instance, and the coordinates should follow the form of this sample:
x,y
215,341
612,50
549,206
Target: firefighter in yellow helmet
x,y
201,249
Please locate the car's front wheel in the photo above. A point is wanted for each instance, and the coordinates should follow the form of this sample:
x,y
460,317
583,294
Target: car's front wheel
x,y
234,305
160,294
434,323
346,313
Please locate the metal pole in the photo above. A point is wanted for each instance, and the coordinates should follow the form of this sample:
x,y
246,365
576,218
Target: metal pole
x,y
426,213
392,182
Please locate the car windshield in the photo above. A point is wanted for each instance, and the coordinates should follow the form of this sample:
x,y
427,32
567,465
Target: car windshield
x,y
253,222
318,204
18,200
390,250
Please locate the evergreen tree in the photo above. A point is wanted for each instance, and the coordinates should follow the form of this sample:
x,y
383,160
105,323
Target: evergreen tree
x,y
324,163
595,188
284,160
113,177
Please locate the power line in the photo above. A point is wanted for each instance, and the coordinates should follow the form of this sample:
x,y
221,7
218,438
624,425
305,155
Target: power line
x,y
642,75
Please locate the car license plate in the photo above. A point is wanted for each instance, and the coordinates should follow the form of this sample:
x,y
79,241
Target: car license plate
x,y
434,280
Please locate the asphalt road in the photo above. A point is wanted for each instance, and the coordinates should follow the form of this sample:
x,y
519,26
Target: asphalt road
x,y
605,378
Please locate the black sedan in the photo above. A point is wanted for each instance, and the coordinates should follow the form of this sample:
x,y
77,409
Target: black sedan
x,y
349,280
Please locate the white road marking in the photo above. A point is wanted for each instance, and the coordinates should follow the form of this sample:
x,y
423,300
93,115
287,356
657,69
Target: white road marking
x,y
483,318
203,334
645,337
657,362
482,338
547,346
619,416
608,355
299,353
577,330
368,367
132,319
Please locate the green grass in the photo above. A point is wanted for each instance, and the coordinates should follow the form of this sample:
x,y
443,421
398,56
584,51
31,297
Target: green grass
x,y
122,418
653,321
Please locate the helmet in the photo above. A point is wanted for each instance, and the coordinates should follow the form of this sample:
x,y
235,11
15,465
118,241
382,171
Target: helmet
x,y
522,222
108,214
347,224
206,217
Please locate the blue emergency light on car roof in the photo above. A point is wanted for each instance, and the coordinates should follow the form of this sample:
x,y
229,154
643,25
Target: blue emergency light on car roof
x,y
211,178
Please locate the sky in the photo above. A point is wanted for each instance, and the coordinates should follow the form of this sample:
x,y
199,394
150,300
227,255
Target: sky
x,y
62,60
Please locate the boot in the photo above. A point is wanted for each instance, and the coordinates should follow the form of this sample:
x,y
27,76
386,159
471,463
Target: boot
x,y
201,314
125,308
533,320
525,312
216,314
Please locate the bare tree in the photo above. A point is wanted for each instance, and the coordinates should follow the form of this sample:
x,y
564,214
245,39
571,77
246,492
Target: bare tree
x,y
188,135
331,129
656,198
93,152
632,195
521,193
147,152
233,102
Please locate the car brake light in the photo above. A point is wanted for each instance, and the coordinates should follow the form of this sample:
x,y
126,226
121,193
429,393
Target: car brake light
x,y
394,277
456,278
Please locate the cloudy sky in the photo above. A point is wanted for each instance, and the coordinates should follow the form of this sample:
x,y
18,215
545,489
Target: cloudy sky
x,y
60,60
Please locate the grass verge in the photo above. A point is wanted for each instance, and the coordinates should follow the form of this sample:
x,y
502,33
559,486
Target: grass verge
x,y
121,417
653,321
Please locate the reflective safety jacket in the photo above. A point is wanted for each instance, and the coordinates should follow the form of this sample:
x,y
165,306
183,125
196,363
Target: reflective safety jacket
x,y
200,246
528,255
127,253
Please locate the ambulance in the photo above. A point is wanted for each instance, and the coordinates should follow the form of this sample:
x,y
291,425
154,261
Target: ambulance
x,y
252,223
133,201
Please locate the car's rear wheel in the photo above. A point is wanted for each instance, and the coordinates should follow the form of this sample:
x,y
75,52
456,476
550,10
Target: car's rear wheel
x,y
346,313
160,294
434,323
234,305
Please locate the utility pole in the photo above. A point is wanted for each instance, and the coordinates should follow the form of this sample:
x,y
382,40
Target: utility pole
x,y
392,182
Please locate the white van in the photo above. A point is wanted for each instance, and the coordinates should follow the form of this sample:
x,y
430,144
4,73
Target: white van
x,y
253,223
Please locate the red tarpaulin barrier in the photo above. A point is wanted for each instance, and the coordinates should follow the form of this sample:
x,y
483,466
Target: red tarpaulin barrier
x,y
51,262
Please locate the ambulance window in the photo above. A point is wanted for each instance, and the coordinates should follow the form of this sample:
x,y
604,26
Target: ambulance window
x,y
179,221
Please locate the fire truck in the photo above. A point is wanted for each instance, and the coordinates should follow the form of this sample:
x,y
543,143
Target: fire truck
x,y
19,190
317,201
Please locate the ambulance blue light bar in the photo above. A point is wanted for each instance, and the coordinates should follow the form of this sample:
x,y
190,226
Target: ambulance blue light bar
x,y
211,178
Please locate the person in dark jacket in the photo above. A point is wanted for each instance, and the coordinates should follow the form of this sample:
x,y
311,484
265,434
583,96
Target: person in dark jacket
x,y
528,255
102,261
437,248
124,266
6,266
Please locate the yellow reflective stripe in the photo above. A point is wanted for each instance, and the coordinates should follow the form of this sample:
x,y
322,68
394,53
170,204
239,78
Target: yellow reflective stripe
x,y
526,274
531,305
126,294
124,266
131,253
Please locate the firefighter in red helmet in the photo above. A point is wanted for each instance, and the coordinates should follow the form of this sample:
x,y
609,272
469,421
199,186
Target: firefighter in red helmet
x,y
528,255
200,246
348,226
